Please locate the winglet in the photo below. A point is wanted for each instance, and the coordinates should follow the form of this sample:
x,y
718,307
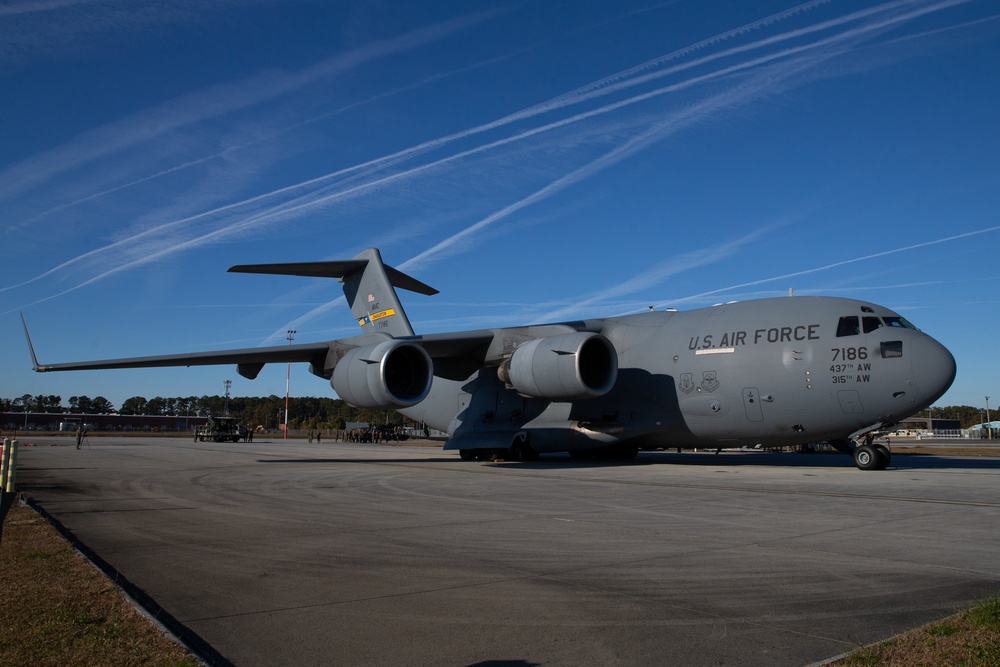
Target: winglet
x,y
34,360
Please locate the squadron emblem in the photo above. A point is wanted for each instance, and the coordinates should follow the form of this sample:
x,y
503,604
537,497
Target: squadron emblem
x,y
709,381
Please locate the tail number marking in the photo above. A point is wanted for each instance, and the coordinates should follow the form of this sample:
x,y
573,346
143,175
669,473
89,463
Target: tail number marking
x,y
849,353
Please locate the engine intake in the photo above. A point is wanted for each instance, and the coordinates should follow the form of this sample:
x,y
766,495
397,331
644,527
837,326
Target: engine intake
x,y
563,368
392,374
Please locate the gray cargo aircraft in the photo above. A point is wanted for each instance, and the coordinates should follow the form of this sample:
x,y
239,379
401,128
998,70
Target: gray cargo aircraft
x,y
775,372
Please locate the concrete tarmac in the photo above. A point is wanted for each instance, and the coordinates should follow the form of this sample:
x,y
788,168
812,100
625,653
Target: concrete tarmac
x,y
280,553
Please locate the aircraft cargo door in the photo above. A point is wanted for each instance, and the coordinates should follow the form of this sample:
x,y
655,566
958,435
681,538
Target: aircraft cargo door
x,y
751,403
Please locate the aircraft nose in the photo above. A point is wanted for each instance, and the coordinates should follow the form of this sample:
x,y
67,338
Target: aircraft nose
x,y
933,368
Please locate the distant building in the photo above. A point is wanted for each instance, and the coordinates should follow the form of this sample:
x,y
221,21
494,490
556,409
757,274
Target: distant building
x,y
56,421
928,426
984,430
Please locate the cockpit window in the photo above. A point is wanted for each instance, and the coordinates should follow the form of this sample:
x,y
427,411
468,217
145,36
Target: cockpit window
x,y
848,326
871,323
892,349
897,321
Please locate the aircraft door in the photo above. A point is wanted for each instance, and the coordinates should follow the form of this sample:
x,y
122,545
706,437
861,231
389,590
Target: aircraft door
x,y
751,403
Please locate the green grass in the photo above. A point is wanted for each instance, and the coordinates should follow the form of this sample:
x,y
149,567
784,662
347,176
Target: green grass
x,y
970,638
57,609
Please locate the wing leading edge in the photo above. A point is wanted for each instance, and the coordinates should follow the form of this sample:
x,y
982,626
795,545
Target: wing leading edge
x,y
248,360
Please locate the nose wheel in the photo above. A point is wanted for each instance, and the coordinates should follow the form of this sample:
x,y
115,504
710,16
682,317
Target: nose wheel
x,y
872,457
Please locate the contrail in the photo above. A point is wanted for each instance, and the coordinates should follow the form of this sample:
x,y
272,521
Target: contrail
x,y
555,103
213,102
285,210
835,265
685,262
635,144
309,200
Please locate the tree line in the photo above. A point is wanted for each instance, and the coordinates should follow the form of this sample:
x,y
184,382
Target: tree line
x,y
305,412
268,411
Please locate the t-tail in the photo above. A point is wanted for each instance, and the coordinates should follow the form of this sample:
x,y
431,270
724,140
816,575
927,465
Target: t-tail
x,y
368,286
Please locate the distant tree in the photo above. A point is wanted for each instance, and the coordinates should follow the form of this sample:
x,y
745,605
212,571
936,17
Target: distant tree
x,y
134,406
101,406
263,412
185,405
81,404
211,405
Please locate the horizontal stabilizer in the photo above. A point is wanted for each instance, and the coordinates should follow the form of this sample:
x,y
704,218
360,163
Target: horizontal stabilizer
x,y
369,287
341,269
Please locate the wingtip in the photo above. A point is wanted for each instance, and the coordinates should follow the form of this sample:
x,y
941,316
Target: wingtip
x,y
38,368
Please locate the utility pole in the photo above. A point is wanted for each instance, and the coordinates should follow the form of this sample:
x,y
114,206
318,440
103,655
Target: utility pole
x,y
288,377
989,422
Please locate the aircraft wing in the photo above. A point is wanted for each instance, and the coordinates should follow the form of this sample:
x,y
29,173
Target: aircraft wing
x,y
453,353
249,360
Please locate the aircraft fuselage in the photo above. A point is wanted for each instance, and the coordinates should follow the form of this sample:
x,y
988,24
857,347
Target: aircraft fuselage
x,y
775,372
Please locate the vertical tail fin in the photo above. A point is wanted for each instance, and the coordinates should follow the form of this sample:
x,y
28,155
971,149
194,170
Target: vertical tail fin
x,y
368,286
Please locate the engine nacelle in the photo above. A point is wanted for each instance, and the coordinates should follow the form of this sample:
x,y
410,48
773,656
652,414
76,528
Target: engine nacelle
x,y
563,368
392,374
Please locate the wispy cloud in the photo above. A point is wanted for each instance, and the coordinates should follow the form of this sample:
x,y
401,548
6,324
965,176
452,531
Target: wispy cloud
x,y
730,77
213,102
834,265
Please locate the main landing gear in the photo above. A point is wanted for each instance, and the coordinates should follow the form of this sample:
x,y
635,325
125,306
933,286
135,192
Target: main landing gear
x,y
522,451
519,450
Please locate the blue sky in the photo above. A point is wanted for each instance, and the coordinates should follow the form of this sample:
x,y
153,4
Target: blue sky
x,y
534,161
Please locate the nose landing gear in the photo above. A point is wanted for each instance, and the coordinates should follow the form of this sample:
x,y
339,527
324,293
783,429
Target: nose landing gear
x,y
872,457
869,456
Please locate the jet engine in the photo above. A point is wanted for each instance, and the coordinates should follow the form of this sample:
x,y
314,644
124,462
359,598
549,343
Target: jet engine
x,y
563,368
392,374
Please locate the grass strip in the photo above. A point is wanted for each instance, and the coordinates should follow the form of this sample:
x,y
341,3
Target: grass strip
x,y
970,638
57,609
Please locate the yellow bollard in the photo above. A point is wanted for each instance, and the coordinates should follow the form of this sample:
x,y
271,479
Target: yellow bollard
x,y
12,468
4,463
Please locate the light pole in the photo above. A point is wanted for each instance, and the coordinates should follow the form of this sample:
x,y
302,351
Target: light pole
x,y
989,422
288,377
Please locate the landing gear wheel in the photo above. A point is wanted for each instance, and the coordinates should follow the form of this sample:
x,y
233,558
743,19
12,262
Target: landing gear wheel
x,y
865,458
527,453
884,456
521,448
628,452
467,454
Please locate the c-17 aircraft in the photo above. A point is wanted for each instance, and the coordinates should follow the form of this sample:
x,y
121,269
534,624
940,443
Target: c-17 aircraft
x,y
777,372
